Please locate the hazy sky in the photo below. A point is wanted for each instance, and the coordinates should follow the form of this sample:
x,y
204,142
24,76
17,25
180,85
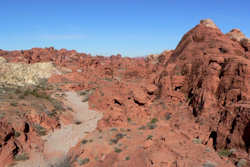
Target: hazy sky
x,y
105,27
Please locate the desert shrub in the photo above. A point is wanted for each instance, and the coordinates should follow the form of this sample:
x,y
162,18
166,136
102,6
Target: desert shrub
x,y
154,120
36,93
150,137
14,104
21,157
84,141
18,91
224,153
168,116
118,137
51,113
83,93
113,129
142,128
40,130
78,122
83,161
17,134
118,150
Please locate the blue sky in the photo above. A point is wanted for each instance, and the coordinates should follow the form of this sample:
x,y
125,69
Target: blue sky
x,y
104,27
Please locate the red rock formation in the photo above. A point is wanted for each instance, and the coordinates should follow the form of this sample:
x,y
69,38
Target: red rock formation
x,y
204,85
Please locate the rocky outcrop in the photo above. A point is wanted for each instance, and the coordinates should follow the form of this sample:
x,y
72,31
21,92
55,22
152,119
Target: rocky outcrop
x,y
208,23
21,74
236,35
217,83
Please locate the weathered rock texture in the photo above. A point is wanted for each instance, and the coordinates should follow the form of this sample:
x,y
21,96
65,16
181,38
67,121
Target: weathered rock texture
x,y
198,93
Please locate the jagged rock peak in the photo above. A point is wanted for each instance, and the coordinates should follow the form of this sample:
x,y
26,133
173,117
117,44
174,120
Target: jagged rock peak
x,y
208,23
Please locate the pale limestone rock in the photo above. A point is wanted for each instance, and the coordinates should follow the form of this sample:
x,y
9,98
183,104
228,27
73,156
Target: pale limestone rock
x,y
236,34
208,23
2,60
20,74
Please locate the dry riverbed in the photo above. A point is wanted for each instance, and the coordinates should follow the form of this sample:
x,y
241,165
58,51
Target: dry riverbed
x,y
59,142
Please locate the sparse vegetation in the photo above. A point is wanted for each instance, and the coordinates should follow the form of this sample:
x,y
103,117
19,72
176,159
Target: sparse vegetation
x,y
52,113
40,130
150,137
113,129
118,137
84,141
168,116
118,150
127,158
83,161
151,126
154,120
142,127
78,122
21,157
14,104
17,134
224,152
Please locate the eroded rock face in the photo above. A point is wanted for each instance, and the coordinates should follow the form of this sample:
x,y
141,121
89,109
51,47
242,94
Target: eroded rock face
x,y
217,83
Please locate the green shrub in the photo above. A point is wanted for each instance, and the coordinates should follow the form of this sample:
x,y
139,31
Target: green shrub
x,y
154,120
118,150
224,153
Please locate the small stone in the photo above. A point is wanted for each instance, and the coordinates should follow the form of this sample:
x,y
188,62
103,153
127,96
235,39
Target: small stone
x,y
241,163
232,150
197,141
79,70
209,164
207,149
